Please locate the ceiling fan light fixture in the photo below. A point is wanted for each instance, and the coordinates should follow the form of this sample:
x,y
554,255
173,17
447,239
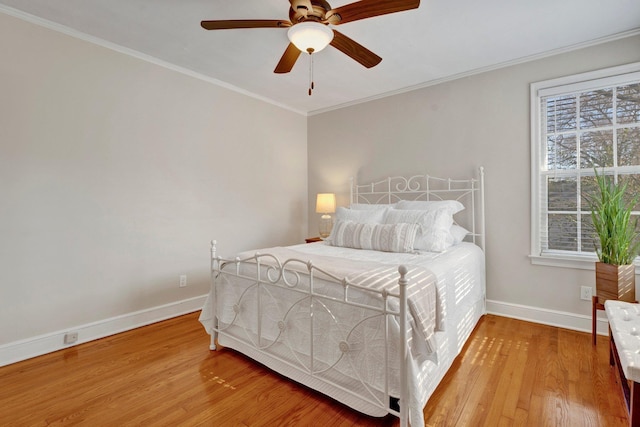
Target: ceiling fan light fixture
x,y
310,36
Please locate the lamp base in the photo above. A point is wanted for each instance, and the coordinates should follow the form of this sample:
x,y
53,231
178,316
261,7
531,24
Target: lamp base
x,y
325,226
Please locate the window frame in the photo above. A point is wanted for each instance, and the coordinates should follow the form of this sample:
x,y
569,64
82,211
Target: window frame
x,y
592,80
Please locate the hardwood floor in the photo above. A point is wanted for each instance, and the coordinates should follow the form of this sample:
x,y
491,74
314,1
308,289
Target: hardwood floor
x,y
510,373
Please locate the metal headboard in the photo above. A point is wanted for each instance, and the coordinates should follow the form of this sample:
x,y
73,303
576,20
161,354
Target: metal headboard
x,y
469,192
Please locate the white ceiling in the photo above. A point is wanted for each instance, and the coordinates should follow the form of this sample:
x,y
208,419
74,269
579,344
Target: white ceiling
x,y
439,40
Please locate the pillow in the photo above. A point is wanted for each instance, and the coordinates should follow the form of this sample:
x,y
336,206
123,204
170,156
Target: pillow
x,y
457,234
377,237
394,216
433,233
374,216
370,207
452,206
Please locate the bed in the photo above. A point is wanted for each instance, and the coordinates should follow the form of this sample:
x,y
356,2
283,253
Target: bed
x,y
373,316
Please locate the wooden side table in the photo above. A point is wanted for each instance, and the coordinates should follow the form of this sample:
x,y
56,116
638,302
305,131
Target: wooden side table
x,y
595,306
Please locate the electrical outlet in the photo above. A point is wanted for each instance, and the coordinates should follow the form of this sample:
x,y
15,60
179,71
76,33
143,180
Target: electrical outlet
x,y
183,280
586,292
70,337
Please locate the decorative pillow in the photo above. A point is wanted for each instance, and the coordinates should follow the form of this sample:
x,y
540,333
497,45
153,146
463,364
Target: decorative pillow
x,y
370,207
452,206
374,216
377,237
457,234
433,233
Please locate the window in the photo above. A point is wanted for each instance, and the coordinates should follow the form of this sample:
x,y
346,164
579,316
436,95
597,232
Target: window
x,y
580,124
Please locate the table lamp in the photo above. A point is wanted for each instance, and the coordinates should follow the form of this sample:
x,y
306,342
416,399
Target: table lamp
x,y
326,205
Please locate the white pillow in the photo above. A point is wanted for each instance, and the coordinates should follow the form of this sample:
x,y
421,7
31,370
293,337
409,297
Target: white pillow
x,y
433,234
374,216
457,234
377,237
452,206
370,207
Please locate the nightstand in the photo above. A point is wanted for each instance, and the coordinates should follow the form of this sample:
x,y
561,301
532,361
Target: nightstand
x,y
313,239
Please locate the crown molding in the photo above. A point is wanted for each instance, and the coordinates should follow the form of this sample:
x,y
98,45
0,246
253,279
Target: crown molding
x,y
136,54
151,59
530,58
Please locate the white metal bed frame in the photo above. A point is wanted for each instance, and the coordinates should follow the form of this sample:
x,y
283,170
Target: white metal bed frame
x,y
426,187
297,276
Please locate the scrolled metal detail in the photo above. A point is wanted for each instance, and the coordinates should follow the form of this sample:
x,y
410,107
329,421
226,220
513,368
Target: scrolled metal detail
x,y
281,325
294,275
408,184
413,183
403,185
344,346
274,273
292,279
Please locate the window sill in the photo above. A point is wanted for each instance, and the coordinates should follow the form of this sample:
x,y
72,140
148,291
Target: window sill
x,y
568,261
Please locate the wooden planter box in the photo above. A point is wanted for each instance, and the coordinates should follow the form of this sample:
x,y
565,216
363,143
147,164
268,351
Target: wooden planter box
x,y
616,282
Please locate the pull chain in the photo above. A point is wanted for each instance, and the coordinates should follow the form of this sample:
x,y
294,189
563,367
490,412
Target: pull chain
x,y
311,85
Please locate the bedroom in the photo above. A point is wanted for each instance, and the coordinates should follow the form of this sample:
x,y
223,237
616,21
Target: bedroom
x,y
133,187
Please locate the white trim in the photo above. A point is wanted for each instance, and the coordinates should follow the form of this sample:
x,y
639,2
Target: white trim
x,y
612,76
535,169
568,261
43,344
575,262
91,39
560,319
577,82
524,59
139,55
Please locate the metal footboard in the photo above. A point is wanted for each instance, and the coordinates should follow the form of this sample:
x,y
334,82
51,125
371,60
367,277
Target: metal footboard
x,y
321,329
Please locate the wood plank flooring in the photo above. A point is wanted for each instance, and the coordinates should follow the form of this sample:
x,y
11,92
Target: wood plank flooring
x,y
510,373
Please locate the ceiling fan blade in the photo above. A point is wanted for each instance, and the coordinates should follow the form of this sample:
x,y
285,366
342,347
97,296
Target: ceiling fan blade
x,y
244,23
288,59
354,50
368,9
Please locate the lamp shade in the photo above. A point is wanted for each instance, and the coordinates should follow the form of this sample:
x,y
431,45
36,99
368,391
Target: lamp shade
x,y
326,203
310,35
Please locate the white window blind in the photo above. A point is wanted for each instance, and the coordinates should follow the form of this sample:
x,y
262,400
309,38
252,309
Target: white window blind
x,y
581,124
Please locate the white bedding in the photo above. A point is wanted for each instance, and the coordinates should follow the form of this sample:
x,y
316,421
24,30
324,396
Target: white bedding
x,y
458,268
375,275
453,308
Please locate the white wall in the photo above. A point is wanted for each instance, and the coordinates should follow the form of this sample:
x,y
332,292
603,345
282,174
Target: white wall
x,y
451,129
115,173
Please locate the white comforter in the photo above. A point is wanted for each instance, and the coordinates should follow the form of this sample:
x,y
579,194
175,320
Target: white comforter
x,y
451,279
421,290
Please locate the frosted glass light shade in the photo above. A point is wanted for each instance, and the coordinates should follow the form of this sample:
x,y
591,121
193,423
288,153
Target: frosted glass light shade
x,y
310,35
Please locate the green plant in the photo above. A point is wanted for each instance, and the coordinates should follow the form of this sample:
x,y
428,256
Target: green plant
x,y
619,238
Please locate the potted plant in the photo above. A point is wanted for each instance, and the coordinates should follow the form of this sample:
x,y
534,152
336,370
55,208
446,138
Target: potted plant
x,y
619,240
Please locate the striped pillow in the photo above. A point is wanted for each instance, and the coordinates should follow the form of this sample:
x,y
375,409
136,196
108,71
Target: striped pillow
x,y
378,237
433,227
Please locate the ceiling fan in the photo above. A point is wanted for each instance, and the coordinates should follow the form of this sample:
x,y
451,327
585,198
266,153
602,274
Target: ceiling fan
x,y
309,27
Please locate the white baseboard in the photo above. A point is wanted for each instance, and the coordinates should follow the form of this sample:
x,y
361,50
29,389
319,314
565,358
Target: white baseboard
x,y
43,344
37,346
562,319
